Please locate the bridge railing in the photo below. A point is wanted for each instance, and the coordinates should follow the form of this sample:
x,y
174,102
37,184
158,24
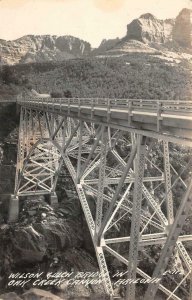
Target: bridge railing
x,y
158,106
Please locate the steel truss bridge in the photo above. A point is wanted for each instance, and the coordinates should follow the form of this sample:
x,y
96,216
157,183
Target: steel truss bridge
x,y
117,151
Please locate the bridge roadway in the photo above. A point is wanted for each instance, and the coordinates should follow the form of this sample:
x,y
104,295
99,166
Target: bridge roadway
x,y
171,119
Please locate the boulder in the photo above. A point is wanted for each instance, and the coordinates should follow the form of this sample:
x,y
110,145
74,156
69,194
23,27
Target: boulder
x,y
28,245
55,234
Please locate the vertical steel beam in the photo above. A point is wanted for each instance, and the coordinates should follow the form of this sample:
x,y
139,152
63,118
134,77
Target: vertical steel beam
x,y
109,136
57,172
136,215
64,132
190,288
69,127
173,235
31,131
99,204
79,151
133,141
26,132
104,271
20,150
169,197
49,128
39,124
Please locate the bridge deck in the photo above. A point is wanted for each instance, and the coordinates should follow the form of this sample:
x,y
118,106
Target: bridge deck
x,y
158,116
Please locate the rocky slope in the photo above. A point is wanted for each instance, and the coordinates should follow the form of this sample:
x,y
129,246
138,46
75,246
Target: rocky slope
x,y
38,48
132,46
106,45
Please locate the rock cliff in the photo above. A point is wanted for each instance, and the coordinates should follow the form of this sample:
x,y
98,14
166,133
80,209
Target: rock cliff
x,y
40,48
147,29
182,31
147,34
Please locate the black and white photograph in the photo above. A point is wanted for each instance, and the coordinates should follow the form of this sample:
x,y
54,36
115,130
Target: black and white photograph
x,y
95,150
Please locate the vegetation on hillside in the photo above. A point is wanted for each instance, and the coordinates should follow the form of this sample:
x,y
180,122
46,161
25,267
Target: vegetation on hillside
x,y
131,76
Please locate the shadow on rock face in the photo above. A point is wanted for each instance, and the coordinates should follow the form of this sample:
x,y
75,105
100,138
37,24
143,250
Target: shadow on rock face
x,y
40,230
43,240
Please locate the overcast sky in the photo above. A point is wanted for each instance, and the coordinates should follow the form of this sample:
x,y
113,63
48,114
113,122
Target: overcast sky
x,y
91,20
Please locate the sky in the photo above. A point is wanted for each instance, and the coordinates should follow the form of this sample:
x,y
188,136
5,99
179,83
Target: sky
x,y
90,20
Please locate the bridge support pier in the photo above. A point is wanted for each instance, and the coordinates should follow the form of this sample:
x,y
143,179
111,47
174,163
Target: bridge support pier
x,y
13,209
53,199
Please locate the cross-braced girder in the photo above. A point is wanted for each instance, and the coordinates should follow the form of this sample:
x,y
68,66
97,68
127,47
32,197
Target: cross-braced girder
x,y
133,185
